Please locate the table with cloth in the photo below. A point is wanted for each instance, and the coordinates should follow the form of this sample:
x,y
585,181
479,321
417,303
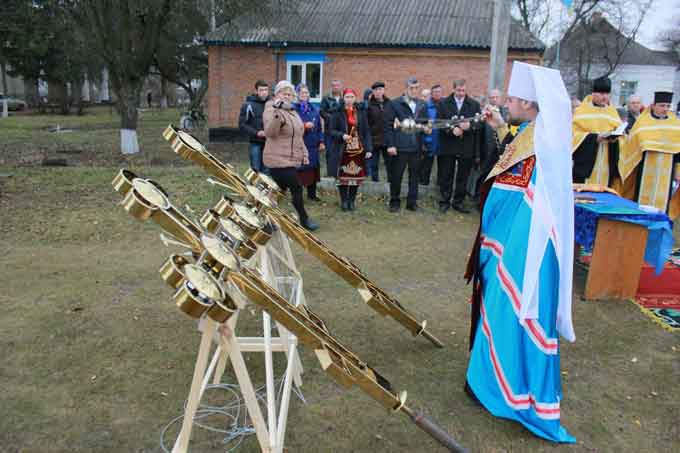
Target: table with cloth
x,y
621,235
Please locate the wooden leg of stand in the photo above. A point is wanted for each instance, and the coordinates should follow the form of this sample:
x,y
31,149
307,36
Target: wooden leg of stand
x,y
618,253
230,343
290,343
285,398
269,378
182,442
222,364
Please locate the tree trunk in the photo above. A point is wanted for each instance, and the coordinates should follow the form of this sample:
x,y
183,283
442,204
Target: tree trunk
x,y
128,101
164,93
3,68
31,93
57,94
77,95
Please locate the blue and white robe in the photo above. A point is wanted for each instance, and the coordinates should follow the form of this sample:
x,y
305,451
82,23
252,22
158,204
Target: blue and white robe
x,y
514,368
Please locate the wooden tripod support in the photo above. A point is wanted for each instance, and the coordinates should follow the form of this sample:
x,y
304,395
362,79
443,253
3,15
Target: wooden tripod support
x,y
276,265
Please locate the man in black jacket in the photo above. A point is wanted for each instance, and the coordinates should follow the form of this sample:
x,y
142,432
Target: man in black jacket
x,y
376,121
404,147
458,148
329,104
250,123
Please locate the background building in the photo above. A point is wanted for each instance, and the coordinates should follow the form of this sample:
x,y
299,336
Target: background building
x,y
358,42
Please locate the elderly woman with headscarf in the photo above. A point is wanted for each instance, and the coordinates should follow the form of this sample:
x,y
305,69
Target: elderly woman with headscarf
x,y
284,150
309,174
352,144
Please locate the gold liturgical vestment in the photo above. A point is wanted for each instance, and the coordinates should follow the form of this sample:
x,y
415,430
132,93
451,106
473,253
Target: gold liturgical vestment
x,y
589,119
654,143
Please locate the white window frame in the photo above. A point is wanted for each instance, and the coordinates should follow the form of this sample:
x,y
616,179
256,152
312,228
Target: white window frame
x,y
304,63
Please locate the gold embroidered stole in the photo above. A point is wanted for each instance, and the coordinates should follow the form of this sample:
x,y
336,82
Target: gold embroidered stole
x,y
600,173
521,147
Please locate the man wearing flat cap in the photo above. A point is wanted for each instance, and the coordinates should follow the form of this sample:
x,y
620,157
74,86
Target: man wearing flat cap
x,y
651,157
595,153
376,109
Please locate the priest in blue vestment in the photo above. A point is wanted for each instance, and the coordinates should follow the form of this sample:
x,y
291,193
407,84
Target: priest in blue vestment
x,y
521,265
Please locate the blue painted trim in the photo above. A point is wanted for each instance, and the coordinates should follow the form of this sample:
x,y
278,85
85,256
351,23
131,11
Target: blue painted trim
x,y
317,57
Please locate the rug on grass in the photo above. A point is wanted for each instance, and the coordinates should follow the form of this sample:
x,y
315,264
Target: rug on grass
x,y
658,296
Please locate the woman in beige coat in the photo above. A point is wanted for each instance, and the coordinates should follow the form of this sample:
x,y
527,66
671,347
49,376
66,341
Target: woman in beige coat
x,y
284,149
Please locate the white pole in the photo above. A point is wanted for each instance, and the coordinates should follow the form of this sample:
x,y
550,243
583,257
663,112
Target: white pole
x,y
5,108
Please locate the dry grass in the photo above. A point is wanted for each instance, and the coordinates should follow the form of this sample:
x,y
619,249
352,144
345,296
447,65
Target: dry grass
x,y
82,298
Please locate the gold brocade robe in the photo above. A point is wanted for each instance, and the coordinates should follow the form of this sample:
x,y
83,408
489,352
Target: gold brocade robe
x,y
589,119
654,143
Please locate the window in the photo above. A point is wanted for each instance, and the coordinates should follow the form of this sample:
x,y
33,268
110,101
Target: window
x,y
627,89
307,69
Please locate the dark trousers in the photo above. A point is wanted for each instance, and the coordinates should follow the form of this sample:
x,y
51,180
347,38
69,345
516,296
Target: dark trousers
x,y
398,166
348,193
450,166
426,162
311,191
374,162
286,178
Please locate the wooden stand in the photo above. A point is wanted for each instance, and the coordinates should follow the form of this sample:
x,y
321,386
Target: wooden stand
x,y
277,266
618,254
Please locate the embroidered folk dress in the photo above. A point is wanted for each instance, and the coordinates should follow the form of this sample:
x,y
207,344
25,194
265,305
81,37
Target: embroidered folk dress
x,y
514,368
352,171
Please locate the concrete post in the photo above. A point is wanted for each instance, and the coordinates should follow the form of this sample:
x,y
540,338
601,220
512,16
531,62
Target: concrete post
x,y
500,36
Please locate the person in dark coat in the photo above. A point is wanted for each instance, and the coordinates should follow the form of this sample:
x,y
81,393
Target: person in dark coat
x,y
459,148
351,139
329,104
376,110
310,174
405,147
250,123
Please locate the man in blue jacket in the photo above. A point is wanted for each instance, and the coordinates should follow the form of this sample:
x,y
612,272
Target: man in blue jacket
x,y
404,147
431,141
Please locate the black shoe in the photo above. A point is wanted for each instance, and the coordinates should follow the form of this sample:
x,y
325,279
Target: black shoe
x,y
443,208
412,207
460,208
394,208
344,205
310,225
314,198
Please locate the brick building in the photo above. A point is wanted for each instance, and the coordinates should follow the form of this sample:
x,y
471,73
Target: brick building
x,y
358,42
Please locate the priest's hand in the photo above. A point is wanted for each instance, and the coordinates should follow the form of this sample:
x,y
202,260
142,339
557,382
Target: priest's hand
x,y
493,117
457,131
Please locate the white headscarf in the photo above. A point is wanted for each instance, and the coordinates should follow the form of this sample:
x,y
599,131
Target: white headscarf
x,y
553,206
282,85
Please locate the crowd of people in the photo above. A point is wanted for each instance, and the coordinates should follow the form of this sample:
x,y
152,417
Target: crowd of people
x,y
355,134
521,164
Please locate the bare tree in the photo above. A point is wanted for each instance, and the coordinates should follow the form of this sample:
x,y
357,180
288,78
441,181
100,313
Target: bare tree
x,y
671,37
593,43
125,35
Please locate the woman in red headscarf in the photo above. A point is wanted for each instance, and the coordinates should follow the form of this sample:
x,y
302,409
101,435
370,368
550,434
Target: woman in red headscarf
x,y
351,138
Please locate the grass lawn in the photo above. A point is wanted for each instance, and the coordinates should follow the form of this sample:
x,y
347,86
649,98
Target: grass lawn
x,y
95,357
